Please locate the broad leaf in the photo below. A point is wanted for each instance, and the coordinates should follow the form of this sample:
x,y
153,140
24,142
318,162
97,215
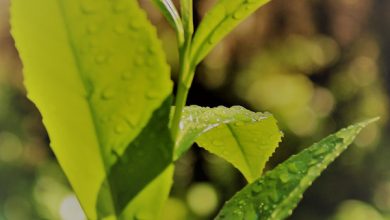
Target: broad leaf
x,y
148,203
244,138
277,193
144,159
218,22
95,87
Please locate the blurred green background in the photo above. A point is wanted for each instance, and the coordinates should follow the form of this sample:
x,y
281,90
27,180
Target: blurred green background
x,y
317,65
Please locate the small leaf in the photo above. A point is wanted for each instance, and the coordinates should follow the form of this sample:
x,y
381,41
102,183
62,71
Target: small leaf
x,y
218,22
243,138
95,88
169,11
277,193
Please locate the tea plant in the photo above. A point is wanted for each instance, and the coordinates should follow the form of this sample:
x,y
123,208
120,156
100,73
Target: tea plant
x,y
97,72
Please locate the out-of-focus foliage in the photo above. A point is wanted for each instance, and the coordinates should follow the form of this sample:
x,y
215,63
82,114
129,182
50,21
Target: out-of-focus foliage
x,y
317,65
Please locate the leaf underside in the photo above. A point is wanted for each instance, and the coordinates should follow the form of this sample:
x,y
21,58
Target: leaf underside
x,y
95,88
243,138
277,193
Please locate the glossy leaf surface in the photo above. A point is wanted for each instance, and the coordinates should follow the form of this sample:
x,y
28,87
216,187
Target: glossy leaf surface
x,y
220,21
243,138
277,193
95,88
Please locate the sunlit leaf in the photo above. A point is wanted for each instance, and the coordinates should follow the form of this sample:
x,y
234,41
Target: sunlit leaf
x,y
169,11
244,138
95,87
277,193
218,22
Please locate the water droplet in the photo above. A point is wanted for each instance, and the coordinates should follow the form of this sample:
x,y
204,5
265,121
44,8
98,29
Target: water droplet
x,y
213,39
284,177
152,75
132,120
256,189
239,123
119,29
108,93
139,61
101,58
127,75
240,13
115,154
120,128
119,7
104,119
92,28
134,26
152,94
88,7
217,143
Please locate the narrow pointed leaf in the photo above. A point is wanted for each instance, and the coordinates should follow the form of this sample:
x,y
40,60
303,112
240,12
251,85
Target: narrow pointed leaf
x,y
243,138
218,22
277,193
90,81
169,11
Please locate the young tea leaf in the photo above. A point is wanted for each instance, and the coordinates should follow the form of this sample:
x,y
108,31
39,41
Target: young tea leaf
x,y
169,11
95,87
243,138
218,22
277,193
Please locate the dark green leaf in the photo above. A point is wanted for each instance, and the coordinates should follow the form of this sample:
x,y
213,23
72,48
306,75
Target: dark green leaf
x,y
277,193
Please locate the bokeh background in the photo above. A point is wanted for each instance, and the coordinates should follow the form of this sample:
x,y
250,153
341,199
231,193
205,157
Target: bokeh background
x,y
317,65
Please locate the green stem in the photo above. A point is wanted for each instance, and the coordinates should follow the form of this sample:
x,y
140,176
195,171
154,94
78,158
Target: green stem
x,y
187,71
186,76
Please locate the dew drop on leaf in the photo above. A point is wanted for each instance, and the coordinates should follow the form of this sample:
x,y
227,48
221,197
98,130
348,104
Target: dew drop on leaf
x,y
217,142
101,58
87,7
127,75
119,7
108,93
152,94
240,13
92,28
119,29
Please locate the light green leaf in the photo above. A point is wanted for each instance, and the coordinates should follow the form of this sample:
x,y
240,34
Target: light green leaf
x,y
95,87
243,138
169,11
218,22
187,14
277,193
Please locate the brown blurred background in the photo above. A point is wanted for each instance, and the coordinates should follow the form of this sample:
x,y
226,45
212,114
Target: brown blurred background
x,y
316,65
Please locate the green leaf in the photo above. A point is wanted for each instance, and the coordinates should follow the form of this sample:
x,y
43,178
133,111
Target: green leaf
x,y
187,14
95,88
150,152
169,11
218,22
277,193
243,138
148,203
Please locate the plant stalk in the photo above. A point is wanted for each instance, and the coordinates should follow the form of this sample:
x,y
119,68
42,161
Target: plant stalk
x,y
187,71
